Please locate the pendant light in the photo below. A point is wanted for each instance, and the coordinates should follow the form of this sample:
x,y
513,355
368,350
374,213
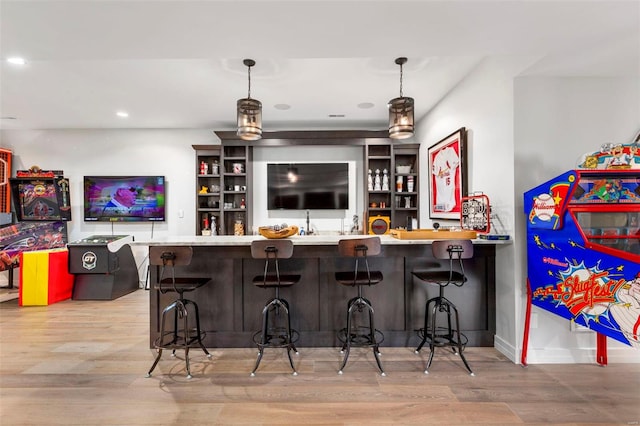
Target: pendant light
x,y
249,112
401,112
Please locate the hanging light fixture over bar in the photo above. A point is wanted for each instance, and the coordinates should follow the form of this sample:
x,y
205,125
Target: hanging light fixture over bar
x,y
401,112
249,112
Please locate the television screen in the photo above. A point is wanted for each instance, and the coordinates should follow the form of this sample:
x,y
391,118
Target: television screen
x,y
308,186
124,198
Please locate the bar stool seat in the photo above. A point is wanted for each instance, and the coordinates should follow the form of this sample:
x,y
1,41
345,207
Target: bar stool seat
x,y
354,335
183,335
276,329
450,336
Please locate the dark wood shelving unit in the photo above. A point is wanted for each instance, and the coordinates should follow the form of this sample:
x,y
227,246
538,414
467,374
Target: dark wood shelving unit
x,y
227,191
383,154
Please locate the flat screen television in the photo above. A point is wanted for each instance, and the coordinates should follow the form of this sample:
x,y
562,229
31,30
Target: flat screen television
x,y
308,186
124,198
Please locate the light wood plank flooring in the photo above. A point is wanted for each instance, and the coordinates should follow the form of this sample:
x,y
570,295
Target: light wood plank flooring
x,y
84,362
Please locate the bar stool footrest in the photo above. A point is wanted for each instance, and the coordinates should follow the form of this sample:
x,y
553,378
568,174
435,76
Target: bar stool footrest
x,y
276,338
178,341
443,338
360,336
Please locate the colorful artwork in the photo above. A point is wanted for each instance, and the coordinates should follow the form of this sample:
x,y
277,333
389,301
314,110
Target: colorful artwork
x,y
583,250
612,157
29,236
41,199
608,190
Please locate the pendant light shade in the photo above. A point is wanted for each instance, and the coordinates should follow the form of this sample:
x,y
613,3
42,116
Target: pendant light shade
x,y
401,125
249,112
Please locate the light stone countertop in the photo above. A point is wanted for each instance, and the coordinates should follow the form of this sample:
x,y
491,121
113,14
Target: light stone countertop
x,y
309,240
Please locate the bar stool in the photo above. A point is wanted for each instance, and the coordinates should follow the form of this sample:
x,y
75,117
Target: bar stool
x,y
354,335
183,336
276,331
454,251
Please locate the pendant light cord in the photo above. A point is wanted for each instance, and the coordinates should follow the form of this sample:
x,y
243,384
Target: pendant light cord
x,y
400,79
249,74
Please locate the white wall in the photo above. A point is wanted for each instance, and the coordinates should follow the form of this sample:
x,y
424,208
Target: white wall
x,y
483,104
116,152
556,121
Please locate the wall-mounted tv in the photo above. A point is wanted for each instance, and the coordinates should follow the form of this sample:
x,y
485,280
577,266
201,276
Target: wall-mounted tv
x,y
308,186
124,198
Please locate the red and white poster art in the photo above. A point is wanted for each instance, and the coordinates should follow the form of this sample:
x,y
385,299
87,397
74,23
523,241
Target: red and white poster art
x,y
447,176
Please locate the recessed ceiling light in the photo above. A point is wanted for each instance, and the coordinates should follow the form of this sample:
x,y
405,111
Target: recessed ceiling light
x,y
366,105
16,60
336,116
123,114
8,118
282,106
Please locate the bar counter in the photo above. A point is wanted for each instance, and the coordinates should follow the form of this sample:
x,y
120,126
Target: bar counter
x,y
231,306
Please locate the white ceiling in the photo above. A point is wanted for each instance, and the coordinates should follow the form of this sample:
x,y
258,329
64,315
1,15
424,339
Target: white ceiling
x,y
178,64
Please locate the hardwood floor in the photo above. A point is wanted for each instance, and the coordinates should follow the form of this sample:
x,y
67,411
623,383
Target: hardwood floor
x,y
84,362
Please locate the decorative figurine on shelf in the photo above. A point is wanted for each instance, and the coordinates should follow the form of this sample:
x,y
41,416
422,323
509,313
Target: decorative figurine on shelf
x,y
369,181
205,226
214,226
385,180
215,168
355,227
242,204
204,168
407,202
376,182
204,189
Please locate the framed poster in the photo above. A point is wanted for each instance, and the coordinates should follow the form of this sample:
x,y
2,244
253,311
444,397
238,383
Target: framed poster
x,y
447,175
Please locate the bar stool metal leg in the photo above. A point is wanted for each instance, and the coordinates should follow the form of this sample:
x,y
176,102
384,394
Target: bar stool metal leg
x,y
452,338
358,304
179,308
458,338
281,340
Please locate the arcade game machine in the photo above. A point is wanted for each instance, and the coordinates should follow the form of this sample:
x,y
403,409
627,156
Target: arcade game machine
x,y
6,217
583,246
104,267
42,208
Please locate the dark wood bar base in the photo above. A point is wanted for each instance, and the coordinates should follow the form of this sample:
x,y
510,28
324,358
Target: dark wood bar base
x,y
231,306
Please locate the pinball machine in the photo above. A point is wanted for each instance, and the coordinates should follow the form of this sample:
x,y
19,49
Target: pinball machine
x,y
41,206
583,246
